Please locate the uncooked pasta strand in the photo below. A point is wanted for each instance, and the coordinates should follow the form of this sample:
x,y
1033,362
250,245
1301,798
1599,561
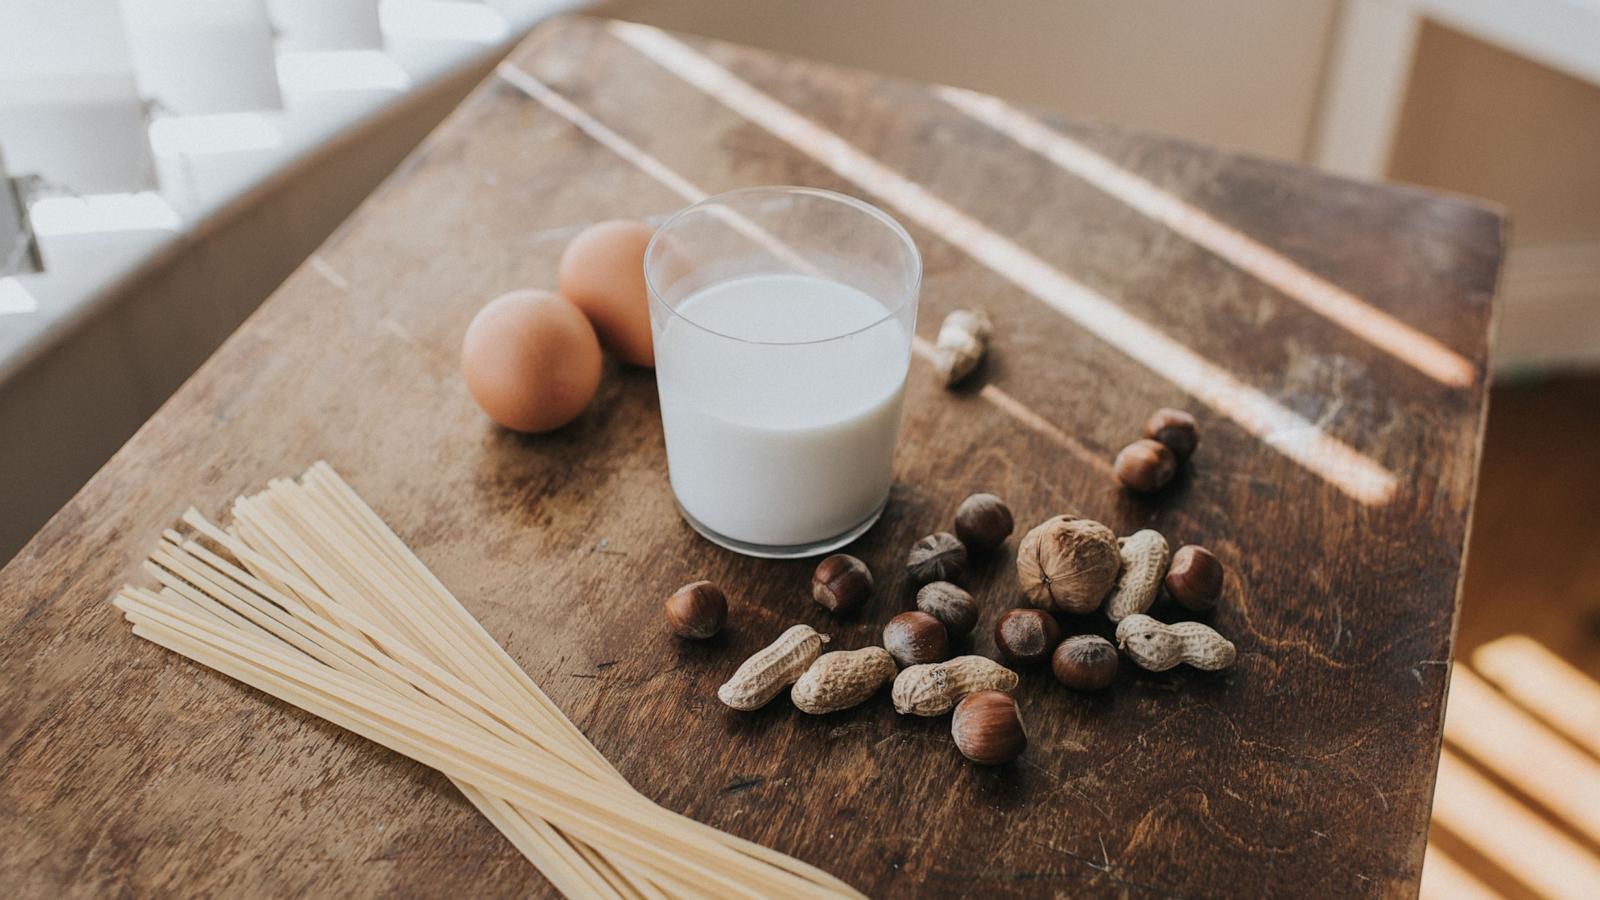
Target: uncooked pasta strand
x,y
367,640
233,595
658,840
326,608
235,592
534,839
324,475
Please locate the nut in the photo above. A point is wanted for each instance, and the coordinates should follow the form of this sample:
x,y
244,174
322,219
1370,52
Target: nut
x,y
916,637
1144,560
841,583
842,679
949,604
1145,465
1026,636
983,522
1085,662
1159,647
1068,564
937,557
933,689
963,338
772,668
988,728
697,610
1175,428
1195,579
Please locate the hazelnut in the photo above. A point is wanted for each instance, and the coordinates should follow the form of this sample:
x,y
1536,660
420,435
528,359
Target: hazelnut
x,y
1085,662
937,557
988,728
950,605
697,611
1145,465
983,522
841,583
1068,564
1175,428
1026,636
1195,578
913,638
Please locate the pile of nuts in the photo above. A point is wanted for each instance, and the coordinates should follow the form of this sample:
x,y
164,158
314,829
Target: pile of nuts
x,y
1074,565
1066,564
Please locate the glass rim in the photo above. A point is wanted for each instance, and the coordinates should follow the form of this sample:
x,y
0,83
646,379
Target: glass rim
x,y
856,203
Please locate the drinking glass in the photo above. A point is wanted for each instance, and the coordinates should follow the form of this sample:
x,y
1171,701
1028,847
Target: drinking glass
x,y
782,319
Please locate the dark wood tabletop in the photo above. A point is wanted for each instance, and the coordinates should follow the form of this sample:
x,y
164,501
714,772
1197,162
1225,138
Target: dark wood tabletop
x,y
1331,336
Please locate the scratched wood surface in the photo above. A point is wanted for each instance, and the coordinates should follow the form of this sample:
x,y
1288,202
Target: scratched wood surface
x,y
1306,769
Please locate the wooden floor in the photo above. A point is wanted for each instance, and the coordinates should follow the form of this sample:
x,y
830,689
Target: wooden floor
x,y
1517,809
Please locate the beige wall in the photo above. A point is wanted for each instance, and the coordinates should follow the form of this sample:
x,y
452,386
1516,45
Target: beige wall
x,y
1484,121
1238,73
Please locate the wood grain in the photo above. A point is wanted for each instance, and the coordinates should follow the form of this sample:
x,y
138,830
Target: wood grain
x,y
1306,769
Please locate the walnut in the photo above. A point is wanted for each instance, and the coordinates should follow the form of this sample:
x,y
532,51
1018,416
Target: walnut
x,y
1068,564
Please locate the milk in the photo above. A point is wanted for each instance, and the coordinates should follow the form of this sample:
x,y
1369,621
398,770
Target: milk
x,y
771,440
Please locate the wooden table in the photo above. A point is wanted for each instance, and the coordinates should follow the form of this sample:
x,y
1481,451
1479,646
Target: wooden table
x,y
1330,335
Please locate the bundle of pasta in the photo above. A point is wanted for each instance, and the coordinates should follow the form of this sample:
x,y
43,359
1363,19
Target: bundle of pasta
x,y
311,598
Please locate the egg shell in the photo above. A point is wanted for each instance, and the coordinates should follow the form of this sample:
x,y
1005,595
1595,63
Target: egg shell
x,y
531,360
602,271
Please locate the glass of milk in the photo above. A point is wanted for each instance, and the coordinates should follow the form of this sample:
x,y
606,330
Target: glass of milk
x,y
782,319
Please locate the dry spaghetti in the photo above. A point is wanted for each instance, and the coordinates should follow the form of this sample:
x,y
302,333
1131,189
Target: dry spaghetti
x,y
310,597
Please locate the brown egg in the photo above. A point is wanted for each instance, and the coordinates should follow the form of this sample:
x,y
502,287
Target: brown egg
x,y
602,271
531,360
